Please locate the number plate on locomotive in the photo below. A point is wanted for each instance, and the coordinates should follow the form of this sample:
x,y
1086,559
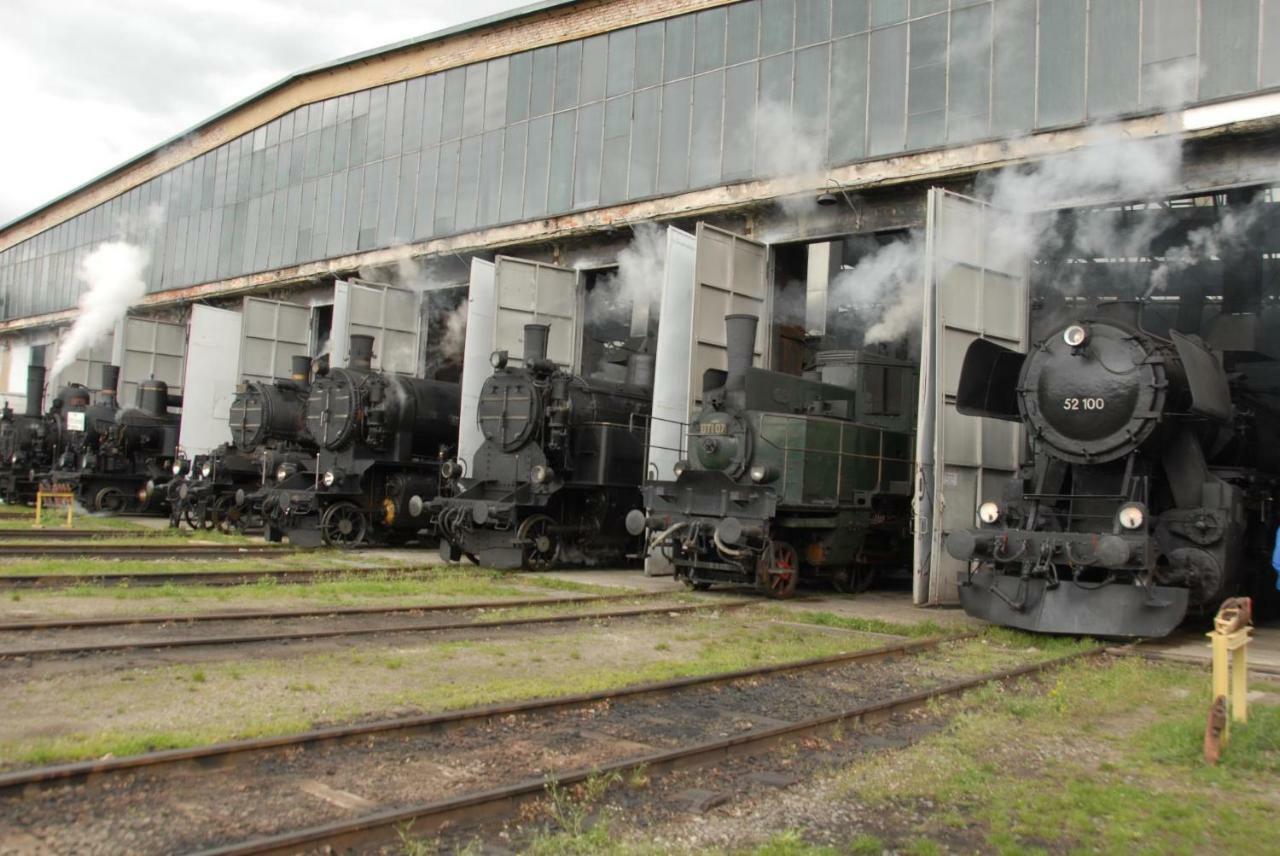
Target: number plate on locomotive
x,y
713,428
1084,403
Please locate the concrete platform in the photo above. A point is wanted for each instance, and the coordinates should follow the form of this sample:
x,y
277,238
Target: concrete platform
x,y
1191,646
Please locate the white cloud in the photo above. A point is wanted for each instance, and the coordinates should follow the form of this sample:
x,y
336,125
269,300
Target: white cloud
x,y
92,83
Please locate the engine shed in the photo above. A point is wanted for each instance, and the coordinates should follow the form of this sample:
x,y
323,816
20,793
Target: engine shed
x,y
909,175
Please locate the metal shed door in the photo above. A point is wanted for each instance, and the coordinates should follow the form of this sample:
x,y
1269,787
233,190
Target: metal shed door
x,y
87,368
152,349
272,334
388,313
210,381
672,394
535,293
974,288
475,357
730,277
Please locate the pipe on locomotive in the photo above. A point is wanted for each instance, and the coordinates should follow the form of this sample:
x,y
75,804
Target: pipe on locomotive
x,y
360,352
740,345
35,389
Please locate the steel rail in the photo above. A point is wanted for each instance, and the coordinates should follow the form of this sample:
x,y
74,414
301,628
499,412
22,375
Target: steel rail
x,y
381,826
218,755
141,551
268,614
83,534
213,641
208,578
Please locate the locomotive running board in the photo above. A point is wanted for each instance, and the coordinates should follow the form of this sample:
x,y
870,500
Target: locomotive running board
x,y
1115,610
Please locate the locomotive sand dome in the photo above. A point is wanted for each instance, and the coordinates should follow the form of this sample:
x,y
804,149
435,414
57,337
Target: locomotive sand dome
x,y
1144,490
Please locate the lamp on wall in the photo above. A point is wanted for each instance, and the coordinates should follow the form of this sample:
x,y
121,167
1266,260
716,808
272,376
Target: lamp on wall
x,y
827,197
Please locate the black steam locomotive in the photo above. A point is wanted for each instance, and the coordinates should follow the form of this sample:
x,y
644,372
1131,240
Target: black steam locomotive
x,y
268,428
381,439
117,459
1147,490
26,443
560,465
790,477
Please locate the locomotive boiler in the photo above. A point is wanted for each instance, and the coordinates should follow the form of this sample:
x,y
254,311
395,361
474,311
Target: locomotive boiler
x,y
380,440
117,459
560,465
26,443
1145,489
790,477
268,428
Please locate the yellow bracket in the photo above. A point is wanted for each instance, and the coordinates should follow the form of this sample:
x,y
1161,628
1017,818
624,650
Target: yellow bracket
x,y
1231,668
55,498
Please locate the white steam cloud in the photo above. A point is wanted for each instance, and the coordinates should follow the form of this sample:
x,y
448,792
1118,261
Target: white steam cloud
x,y
885,289
1229,234
631,295
113,273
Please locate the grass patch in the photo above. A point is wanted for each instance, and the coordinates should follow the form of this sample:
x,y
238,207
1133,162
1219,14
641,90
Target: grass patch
x,y
862,625
1106,758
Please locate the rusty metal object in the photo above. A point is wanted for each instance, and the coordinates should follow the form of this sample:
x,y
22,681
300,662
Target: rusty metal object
x,y
1215,729
220,755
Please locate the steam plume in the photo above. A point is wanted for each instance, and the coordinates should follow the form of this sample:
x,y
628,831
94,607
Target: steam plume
x,y
631,296
886,286
113,273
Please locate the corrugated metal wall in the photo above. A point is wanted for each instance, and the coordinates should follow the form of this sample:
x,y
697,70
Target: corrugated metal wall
x,y
726,94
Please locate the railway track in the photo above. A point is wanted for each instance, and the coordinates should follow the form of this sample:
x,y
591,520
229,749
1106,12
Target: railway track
x,y
80,534
163,639
294,793
193,578
141,551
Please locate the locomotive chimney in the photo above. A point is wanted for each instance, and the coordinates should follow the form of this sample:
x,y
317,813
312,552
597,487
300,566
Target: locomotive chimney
x,y
300,369
110,382
740,343
360,354
535,343
35,389
153,397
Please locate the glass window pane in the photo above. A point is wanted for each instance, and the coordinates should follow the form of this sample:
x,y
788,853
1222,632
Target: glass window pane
x,y
777,23
775,83
377,124
678,52
318,219
617,148
490,178
341,152
393,138
513,172
1061,77
560,183
927,82
370,205
519,70
888,98
537,160
969,62
884,12
351,213
328,143
359,139
813,21
424,216
495,94
594,64
739,122
709,39
406,197
292,212
1228,48
586,171
568,69
542,89
673,155
473,100
433,110
455,87
1271,44
927,7
744,32
708,108
283,157
809,100
413,99
1113,57
644,143
1013,93
1170,30
622,61
649,54
446,188
388,195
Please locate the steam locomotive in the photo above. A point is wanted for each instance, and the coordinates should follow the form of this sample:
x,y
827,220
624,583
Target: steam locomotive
x,y
117,459
560,466
790,477
1148,487
26,443
268,428
381,439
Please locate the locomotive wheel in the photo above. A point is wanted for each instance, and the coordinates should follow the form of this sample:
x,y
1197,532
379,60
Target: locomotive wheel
x,y
226,515
541,545
853,580
110,500
778,570
343,525
197,520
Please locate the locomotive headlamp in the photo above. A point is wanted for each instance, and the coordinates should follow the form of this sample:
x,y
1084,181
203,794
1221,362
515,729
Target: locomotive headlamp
x,y
541,474
1132,516
206,470
498,359
450,470
679,467
282,472
1076,336
176,469
328,478
145,491
761,473
989,512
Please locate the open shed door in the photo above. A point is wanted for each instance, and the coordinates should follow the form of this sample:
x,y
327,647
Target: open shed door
x,y
672,394
528,292
388,313
272,333
730,276
974,288
152,349
475,357
210,381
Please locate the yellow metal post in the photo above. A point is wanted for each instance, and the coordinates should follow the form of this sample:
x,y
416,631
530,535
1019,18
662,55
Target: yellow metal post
x,y
1229,639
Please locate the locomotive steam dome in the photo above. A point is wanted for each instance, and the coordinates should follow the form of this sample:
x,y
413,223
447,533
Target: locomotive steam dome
x,y
1093,391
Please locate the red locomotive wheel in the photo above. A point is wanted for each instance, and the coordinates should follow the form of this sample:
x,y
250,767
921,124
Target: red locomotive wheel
x,y
778,570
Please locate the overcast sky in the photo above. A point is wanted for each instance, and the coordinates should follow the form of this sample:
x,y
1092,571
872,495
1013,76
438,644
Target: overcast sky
x,y
91,83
